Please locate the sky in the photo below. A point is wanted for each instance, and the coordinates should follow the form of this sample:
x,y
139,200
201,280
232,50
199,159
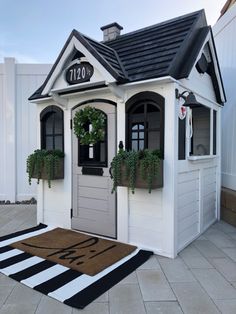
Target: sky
x,y
34,31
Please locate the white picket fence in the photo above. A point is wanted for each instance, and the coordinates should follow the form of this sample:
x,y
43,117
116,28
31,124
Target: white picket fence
x,y
17,126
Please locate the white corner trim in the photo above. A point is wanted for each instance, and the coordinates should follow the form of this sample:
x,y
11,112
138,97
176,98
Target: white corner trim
x,y
117,91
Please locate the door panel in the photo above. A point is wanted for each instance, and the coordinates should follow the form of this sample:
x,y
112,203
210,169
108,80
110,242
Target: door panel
x,y
94,207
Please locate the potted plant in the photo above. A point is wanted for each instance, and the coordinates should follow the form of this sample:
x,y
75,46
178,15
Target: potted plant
x,y
137,169
45,164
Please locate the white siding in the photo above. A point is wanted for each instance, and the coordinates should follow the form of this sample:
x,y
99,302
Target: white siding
x,y
146,219
188,206
18,126
224,35
197,196
209,196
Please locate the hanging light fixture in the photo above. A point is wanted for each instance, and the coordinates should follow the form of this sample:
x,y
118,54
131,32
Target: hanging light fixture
x,y
189,100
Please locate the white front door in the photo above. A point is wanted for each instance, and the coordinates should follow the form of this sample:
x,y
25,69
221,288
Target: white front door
x,y
94,206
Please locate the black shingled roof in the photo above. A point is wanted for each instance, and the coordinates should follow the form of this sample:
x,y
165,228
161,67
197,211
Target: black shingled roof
x,y
166,49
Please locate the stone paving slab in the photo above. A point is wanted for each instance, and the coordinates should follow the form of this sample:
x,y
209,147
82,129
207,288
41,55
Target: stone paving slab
x,y
193,298
200,280
215,284
163,308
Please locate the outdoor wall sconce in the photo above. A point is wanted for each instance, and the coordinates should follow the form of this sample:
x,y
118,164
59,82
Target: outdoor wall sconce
x,y
190,99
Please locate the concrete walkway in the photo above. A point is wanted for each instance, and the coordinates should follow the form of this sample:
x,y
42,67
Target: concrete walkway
x,y
202,279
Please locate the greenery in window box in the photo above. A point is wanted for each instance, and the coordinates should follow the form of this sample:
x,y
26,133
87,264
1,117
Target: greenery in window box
x,y
89,116
45,164
141,169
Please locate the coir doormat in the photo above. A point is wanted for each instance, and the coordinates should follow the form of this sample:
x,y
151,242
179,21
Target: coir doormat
x,y
69,286
87,254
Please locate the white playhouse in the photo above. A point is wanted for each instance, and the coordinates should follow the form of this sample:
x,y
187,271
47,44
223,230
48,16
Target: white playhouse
x,y
160,88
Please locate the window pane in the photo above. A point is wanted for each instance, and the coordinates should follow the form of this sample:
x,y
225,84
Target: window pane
x,y
49,142
154,139
141,135
153,119
139,109
58,123
58,142
49,124
134,145
151,108
141,145
201,131
134,135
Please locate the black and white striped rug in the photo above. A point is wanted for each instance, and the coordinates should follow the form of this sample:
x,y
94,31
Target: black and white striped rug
x,y
64,284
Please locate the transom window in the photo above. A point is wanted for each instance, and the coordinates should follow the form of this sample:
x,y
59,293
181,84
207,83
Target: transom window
x,y
52,128
145,120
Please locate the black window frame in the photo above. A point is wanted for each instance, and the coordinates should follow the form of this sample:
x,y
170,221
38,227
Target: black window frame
x,y
145,98
44,115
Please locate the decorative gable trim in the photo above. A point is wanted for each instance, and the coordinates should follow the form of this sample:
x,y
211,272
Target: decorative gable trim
x,y
77,41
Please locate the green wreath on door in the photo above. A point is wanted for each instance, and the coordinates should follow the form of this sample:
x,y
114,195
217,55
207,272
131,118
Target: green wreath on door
x,y
89,116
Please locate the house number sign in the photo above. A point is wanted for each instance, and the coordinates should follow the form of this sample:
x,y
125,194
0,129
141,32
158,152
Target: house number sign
x,y
79,73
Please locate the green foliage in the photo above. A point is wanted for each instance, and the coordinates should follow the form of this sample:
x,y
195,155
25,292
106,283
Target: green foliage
x,y
83,118
43,159
145,162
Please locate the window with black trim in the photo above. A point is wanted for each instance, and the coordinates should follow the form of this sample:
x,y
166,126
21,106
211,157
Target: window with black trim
x,y
198,133
201,133
94,154
52,128
145,122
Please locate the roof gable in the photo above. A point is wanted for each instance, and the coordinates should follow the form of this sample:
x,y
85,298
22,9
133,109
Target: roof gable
x,y
77,43
206,67
166,49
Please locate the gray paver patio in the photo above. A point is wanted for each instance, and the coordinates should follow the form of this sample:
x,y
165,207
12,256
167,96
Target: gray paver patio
x,y
201,280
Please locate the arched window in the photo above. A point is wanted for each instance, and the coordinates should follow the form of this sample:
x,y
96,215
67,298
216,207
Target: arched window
x,y
145,122
52,128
